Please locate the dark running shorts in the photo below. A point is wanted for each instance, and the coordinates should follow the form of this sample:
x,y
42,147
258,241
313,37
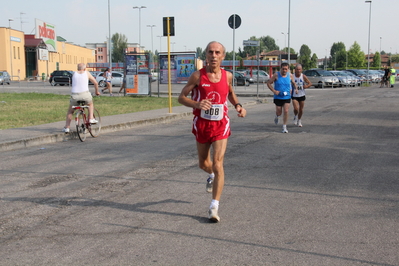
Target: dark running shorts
x,y
299,99
279,102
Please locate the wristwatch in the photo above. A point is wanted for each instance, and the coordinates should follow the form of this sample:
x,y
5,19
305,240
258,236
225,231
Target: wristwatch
x,y
235,106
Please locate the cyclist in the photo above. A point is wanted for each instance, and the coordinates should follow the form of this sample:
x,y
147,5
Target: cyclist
x,y
80,92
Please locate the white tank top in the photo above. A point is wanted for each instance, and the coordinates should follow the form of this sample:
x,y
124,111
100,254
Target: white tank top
x,y
80,82
299,84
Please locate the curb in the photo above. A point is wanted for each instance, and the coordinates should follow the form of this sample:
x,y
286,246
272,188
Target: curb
x,y
60,137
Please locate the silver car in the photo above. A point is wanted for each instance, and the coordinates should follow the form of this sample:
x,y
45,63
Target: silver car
x,y
321,78
117,79
344,78
262,75
5,77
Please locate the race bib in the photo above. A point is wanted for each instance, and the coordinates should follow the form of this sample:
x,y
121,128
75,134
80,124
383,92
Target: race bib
x,y
215,113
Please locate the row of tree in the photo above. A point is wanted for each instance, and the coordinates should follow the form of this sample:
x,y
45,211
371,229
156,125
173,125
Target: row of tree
x,y
339,57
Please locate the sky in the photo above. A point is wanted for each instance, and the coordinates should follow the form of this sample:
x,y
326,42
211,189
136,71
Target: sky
x,y
317,23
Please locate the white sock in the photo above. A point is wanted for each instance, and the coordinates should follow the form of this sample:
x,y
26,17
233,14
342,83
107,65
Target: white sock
x,y
212,176
214,204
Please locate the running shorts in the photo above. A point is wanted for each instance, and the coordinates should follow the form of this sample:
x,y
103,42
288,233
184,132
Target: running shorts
x,y
279,102
207,131
299,99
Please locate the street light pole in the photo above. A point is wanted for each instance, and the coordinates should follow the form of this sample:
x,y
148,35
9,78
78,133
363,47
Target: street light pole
x,y
380,54
109,37
152,45
139,8
368,50
9,30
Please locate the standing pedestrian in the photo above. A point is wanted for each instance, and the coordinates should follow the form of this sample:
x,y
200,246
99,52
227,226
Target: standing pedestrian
x,y
282,93
392,76
298,96
210,87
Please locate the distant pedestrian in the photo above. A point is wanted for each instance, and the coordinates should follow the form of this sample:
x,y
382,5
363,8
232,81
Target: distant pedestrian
x,y
283,83
108,76
298,95
392,77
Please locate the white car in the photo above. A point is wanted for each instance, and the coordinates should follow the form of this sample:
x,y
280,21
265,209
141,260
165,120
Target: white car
x,y
117,79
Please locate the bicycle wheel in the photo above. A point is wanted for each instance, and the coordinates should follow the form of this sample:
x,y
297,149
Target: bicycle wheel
x,y
94,129
81,126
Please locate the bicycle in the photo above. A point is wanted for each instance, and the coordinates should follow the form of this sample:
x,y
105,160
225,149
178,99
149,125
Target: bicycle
x,y
82,121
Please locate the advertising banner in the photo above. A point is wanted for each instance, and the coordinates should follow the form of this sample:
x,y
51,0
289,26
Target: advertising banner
x,y
181,67
137,74
46,32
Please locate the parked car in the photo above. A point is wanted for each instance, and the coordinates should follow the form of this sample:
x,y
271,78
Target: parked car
x,y
5,77
361,73
375,75
117,79
321,78
94,74
263,76
344,78
240,79
61,77
359,80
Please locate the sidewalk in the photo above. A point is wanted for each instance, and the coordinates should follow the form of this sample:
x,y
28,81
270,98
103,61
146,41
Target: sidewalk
x,y
17,138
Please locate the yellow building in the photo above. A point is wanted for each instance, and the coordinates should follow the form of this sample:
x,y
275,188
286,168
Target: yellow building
x,y
25,56
12,52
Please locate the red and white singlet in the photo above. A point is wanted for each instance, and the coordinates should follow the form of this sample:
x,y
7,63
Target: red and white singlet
x,y
213,124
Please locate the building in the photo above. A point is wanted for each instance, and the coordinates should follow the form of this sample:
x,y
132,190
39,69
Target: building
x,y
27,57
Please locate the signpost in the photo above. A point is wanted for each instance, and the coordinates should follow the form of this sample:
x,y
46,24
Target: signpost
x,y
255,43
234,22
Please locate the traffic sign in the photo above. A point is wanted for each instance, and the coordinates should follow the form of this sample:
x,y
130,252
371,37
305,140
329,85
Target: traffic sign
x,y
250,43
237,21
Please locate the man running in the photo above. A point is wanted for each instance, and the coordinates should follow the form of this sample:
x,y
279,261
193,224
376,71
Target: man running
x,y
210,88
80,92
298,96
282,93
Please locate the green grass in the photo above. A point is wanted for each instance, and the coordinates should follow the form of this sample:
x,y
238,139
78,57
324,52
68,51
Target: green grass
x,y
29,109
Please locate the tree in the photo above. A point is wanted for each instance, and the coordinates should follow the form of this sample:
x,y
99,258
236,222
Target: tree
x,y
314,61
395,58
305,57
377,60
356,58
119,45
200,53
269,44
338,55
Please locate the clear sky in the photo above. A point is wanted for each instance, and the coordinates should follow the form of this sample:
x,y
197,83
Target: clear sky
x,y
316,23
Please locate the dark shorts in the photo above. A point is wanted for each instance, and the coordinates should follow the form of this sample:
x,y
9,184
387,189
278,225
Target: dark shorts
x,y
299,99
279,102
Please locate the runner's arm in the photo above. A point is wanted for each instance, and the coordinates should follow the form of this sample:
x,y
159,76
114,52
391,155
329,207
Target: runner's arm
x,y
270,82
307,84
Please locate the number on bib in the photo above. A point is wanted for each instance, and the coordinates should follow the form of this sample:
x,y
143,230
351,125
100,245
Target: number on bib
x,y
215,113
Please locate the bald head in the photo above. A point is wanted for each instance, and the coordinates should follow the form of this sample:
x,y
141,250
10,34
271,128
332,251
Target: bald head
x,y
81,66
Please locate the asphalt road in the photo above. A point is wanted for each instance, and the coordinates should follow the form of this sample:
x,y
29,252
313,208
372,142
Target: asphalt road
x,y
324,194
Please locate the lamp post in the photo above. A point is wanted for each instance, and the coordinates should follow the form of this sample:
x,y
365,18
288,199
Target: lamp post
x,y
152,45
160,43
368,50
380,54
139,8
109,37
9,30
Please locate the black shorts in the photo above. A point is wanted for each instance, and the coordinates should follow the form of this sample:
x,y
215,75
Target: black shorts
x,y
299,99
279,102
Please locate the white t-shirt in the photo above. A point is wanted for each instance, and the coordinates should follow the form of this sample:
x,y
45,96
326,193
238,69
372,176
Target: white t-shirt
x,y
80,82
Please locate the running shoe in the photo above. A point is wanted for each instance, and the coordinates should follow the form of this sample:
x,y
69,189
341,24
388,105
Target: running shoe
x,y
276,120
65,130
295,120
209,185
213,215
299,123
284,130
93,121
